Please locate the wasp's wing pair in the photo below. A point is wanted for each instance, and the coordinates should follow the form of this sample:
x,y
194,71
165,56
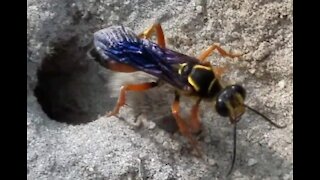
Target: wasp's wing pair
x,y
121,45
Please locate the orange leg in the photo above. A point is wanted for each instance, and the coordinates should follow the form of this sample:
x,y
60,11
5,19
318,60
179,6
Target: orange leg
x,y
195,124
159,32
130,87
208,52
183,127
218,71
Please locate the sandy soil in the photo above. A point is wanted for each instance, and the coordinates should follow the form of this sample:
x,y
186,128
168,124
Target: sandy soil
x,y
68,135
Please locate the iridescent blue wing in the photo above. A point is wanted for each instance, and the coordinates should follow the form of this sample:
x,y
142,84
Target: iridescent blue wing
x,y
120,44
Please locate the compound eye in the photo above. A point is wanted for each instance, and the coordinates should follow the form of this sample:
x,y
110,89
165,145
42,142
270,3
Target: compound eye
x,y
221,107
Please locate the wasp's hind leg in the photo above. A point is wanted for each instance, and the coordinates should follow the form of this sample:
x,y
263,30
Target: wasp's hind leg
x,y
130,87
159,33
183,126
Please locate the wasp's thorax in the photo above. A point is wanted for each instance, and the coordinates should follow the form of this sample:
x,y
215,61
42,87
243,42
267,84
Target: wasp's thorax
x,y
202,79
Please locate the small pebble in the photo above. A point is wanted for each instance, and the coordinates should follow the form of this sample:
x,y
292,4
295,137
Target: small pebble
x,y
252,162
151,125
199,9
252,71
282,84
165,144
211,161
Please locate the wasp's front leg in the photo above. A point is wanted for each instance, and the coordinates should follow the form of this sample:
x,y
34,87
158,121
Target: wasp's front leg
x,y
194,123
159,33
183,126
218,70
221,51
130,87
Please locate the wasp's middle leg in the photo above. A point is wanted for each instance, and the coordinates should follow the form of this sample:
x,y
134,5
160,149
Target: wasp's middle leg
x,y
159,32
130,87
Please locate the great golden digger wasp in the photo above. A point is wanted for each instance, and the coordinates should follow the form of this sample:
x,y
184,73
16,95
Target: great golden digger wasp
x,y
119,49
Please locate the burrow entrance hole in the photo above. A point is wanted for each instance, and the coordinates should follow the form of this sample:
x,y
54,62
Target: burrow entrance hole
x,y
70,88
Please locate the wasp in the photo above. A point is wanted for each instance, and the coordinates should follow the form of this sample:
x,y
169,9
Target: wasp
x,y
119,49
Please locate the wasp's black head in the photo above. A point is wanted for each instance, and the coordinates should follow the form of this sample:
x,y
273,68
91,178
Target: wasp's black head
x,y
230,102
